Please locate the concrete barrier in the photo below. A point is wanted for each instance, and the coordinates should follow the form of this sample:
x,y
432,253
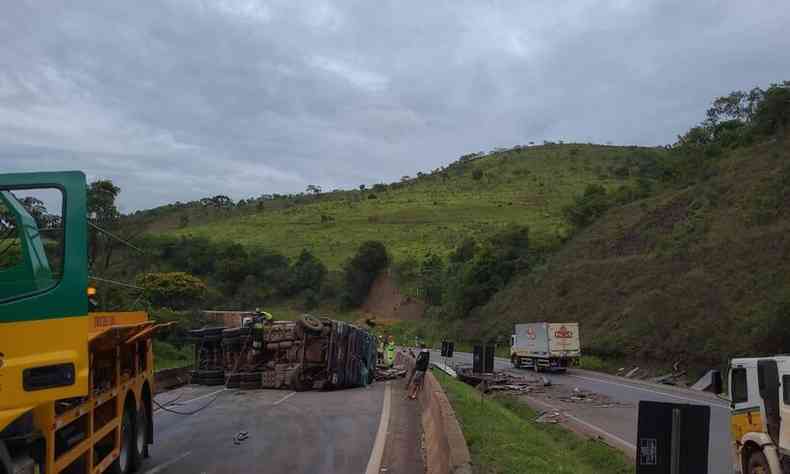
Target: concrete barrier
x,y
446,451
166,379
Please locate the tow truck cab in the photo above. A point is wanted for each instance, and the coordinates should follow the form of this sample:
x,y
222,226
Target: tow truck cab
x,y
75,387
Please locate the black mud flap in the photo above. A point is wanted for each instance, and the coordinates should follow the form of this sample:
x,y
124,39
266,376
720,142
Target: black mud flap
x,y
768,382
672,438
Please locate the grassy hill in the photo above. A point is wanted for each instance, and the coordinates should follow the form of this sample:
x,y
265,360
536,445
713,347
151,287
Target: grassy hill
x,y
697,273
472,197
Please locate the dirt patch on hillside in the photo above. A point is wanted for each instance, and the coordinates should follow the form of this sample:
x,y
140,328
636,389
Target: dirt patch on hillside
x,y
386,302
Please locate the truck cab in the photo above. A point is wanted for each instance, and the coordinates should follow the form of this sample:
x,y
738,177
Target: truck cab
x,y
759,394
76,387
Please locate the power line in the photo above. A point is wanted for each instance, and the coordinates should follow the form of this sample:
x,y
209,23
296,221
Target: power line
x,y
110,234
113,282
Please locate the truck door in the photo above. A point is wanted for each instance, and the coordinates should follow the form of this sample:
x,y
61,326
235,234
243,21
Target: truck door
x,y
768,383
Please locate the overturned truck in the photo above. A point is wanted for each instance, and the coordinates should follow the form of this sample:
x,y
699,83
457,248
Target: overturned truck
x,y
311,353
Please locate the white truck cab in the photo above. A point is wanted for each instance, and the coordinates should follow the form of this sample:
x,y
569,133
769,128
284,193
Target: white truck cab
x,y
760,414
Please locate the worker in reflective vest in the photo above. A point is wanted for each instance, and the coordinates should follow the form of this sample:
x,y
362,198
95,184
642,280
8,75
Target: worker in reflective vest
x,y
390,352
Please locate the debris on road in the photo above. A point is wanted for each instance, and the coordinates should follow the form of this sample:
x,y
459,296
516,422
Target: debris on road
x,y
549,417
669,379
501,382
631,373
239,437
396,372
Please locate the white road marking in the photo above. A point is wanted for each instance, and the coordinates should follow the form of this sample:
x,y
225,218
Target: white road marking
x,y
599,430
284,398
377,453
160,467
656,392
178,403
589,425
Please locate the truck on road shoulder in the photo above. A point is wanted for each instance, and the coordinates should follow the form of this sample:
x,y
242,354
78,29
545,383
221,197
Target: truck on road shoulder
x,y
545,346
759,395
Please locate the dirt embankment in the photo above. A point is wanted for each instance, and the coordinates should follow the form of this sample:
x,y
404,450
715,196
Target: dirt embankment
x,y
386,302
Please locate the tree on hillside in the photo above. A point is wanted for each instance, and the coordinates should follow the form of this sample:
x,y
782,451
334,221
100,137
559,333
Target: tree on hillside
x,y
103,213
359,272
464,252
307,272
588,206
220,201
175,290
430,281
313,189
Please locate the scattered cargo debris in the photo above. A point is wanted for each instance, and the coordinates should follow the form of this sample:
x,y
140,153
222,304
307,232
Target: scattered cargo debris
x,y
549,417
500,381
669,379
384,373
632,373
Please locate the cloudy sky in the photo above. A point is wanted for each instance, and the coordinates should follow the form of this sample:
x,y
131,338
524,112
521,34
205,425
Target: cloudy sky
x,y
180,99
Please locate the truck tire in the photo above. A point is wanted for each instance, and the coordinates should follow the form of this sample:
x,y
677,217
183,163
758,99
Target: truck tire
x,y
140,444
125,464
758,464
515,361
311,323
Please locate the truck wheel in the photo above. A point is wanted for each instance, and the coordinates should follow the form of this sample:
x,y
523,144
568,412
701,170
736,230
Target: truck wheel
x,y
140,442
515,361
758,464
124,463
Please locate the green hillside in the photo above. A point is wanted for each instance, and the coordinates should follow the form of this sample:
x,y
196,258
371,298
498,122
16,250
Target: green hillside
x,y
696,273
472,197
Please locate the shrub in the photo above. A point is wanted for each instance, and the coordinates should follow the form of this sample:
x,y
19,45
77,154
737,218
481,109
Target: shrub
x,y
175,290
588,206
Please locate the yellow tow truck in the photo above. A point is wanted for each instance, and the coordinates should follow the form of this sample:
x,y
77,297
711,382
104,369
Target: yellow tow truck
x,y
76,387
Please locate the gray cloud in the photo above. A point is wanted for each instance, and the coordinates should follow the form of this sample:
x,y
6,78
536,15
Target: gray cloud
x,y
176,99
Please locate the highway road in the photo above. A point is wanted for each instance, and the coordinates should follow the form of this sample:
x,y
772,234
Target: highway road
x,y
618,423
305,432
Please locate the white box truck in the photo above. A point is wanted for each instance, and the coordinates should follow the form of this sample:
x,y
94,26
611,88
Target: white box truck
x,y
545,346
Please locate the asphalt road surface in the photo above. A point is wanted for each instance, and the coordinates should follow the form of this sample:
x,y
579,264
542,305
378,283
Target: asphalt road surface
x,y
305,432
618,423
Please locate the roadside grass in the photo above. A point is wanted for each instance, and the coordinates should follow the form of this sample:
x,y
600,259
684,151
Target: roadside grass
x,y
167,356
502,438
432,213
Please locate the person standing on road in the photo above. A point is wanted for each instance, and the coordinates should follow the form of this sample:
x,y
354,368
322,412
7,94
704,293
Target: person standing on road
x,y
390,352
380,351
420,367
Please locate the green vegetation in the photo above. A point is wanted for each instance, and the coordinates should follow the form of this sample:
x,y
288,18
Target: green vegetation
x,y
697,271
673,253
476,196
175,290
502,438
167,356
